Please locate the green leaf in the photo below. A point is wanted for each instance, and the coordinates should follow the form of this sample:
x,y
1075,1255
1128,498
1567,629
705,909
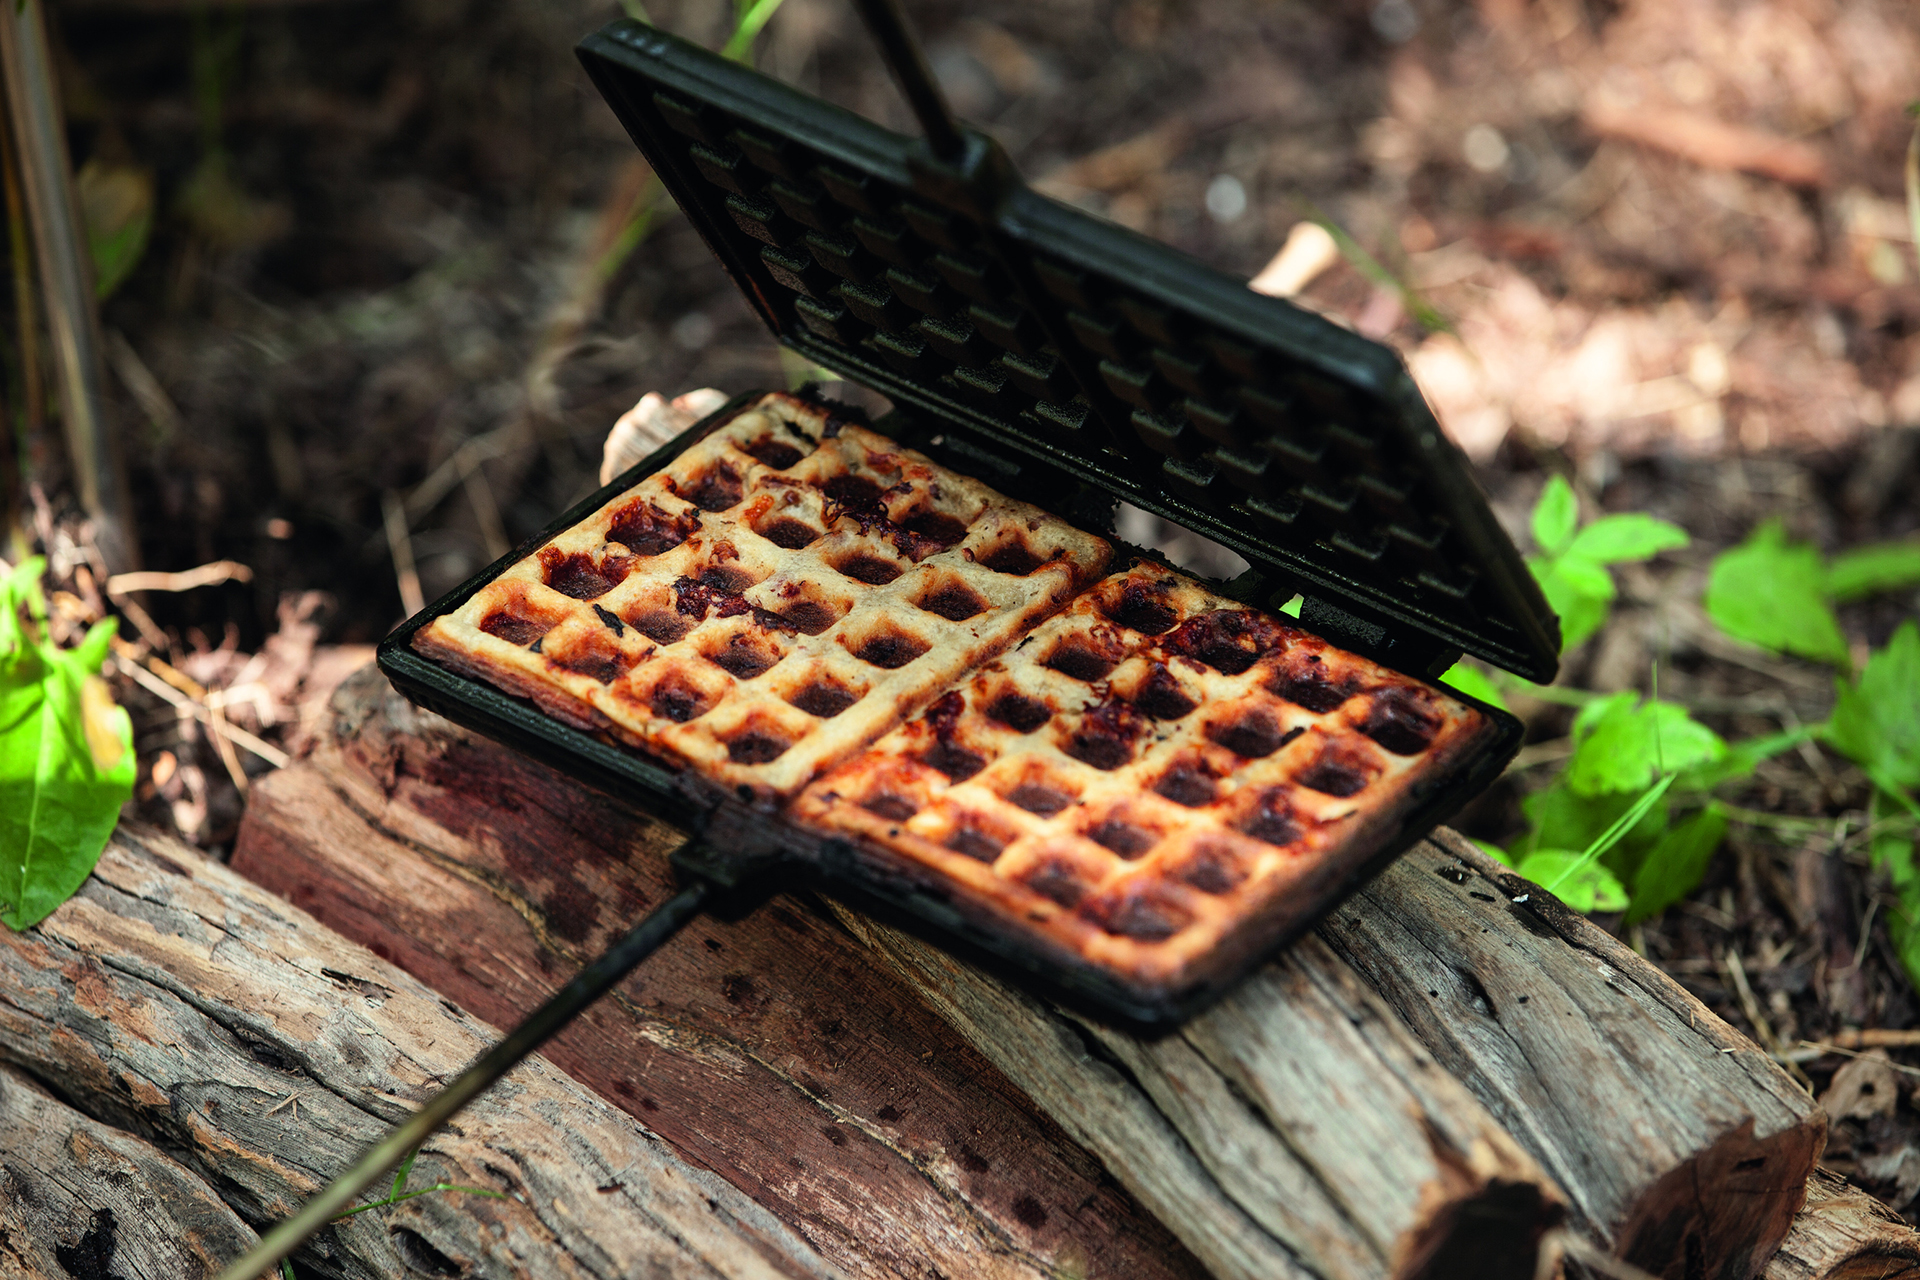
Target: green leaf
x,y
1772,593
1621,743
1554,516
116,205
1892,851
1562,820
1613,539
1675,864
1573,592
401,1174
746,28
66,758
1742,757
1582,884
1876,721
1474,682
1865,571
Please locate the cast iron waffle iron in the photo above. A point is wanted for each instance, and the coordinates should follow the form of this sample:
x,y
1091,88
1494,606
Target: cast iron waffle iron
x,y
894,657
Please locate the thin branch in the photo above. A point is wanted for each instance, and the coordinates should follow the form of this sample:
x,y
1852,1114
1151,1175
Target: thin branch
x,y
218,724
206,575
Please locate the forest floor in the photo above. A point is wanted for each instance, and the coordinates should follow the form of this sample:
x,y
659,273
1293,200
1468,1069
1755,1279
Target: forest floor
x,y
388,286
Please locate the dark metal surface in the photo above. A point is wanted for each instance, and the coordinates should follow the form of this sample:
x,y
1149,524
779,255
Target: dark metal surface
x,y
1040,333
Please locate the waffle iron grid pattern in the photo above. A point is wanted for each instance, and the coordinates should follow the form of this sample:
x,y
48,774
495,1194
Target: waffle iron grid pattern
x,y
780,595
1152,778
1346,476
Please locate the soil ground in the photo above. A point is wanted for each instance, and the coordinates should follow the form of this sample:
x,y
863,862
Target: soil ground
x,y
1666,237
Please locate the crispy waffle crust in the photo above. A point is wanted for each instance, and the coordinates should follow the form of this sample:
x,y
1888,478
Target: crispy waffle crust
x,y
779,596
1158,783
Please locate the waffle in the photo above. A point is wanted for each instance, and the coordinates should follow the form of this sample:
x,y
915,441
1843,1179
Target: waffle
x,y
779,596
1158,781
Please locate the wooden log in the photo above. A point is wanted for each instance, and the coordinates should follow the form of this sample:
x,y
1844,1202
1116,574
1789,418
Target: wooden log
x,y
417,837
1683,1147
767,1049
1845,1234
78,1198
176,1000
1293,1130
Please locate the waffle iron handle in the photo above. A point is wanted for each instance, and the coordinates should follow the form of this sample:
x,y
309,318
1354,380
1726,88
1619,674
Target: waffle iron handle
x,y
587,986
904,58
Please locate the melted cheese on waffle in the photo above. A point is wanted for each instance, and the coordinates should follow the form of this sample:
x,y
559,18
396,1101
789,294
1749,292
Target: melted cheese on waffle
x,y
779,596
1152,779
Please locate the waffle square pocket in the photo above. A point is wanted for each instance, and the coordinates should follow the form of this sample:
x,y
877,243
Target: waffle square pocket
x,y
1157,782
776,598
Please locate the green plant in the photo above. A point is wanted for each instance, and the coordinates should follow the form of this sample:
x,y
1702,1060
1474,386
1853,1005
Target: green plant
x,y
1631,820
66,754
1779,594
399,1191
1573,562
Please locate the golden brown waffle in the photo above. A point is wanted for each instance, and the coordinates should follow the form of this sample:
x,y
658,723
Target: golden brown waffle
x,y
1156,781
780,595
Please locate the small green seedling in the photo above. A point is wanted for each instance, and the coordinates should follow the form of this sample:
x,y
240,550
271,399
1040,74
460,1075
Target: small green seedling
x,y
399,1190
66,754
1572,561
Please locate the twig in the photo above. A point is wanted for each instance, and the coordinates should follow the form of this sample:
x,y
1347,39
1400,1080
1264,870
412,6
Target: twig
x,y
1737,973
400,545
145,388
1877,1038
206,575
223,747
487,512
218,724
1808,1050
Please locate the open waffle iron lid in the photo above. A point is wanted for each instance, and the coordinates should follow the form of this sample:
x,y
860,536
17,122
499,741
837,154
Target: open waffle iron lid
x,y
1028,329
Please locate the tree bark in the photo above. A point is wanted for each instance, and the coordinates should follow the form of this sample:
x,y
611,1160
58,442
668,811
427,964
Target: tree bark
x,y
1293,1130
767,1049
1682,1146
78,1198
174,999
1845,1234
418,837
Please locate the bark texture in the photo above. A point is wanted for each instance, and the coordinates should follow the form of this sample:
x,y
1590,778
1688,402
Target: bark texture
x,y
1845,1234
768,1049
1681,1145
78,1198
776,1051
180,1002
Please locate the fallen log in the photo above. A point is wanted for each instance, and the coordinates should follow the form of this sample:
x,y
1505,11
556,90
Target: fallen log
x,y
173,999
767,1049
1682,1146
79,1198
1292,1130
1845,1234
1298,1132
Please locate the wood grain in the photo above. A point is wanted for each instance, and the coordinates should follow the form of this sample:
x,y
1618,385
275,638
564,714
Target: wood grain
x,y
1682,1146
184,1004
767,1049
80,1198
1293,1130
1845,1234
419,838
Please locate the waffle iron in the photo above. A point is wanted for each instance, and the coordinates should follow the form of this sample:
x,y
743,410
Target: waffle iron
x,y
1068,363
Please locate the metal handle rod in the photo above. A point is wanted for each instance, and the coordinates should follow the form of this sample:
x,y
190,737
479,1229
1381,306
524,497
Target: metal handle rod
x,y
909,66
587,986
